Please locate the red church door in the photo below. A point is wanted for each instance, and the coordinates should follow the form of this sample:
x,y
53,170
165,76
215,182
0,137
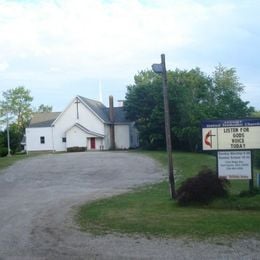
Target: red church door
x,y
92,143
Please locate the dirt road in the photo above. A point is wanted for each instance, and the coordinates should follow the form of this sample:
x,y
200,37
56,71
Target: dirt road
x,y
38,197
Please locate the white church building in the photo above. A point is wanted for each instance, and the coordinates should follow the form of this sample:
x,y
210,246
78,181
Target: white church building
x,y
85,124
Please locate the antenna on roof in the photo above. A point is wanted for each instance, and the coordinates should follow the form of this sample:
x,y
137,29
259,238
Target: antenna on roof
x,y
100,91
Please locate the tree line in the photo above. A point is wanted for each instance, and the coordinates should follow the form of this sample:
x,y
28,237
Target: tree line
x,y
16,111
193,96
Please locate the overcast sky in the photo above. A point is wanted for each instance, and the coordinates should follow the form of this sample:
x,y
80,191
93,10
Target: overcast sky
x,y
62,48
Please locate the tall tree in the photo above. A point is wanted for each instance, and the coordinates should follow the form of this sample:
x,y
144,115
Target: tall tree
x,y
225,95
193,96
17,103
256,114
16,111
189,102
144,105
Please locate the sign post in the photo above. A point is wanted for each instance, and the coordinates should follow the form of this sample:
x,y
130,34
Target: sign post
x,y
161,69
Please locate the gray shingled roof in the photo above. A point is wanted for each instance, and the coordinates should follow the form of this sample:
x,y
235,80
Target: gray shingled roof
x,y
44,119
103,112
99,108
120,115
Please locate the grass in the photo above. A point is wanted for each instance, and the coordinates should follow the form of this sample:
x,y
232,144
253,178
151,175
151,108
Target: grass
x,y
9,160
188,164
149,210
185,164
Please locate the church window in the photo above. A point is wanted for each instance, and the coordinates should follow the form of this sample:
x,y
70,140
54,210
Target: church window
x,y
42,140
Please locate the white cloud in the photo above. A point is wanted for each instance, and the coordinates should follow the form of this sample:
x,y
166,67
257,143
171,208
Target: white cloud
x,y
55,69
4,66
88,35
73,39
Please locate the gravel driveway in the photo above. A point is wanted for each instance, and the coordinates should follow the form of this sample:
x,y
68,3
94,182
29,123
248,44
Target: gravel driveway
x,y
38,197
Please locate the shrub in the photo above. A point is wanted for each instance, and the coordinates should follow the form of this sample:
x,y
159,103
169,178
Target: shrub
x,y
3,151
76,149
250,193
202,188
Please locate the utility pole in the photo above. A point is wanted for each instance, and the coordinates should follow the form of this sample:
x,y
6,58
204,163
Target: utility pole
x,y
8,135
161,69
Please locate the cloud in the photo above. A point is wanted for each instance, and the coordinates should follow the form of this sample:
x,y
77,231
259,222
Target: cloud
x,y
3,66
68,40
87,36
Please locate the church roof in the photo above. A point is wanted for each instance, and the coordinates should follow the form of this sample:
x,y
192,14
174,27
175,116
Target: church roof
x,y
99,108
103,112
120,115
45,119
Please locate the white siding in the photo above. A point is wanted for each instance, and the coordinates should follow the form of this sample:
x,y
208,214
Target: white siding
x,y
76,137
122,136
33,139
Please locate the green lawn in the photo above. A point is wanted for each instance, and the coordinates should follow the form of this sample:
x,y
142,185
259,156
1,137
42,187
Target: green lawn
x,y
188,164
8,161
150,211
185,164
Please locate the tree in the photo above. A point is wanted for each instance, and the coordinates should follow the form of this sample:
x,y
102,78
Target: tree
x,y
17,102
256,114
225,95
193,96
44,108
189,102
16,136
187,99
144,104
16,111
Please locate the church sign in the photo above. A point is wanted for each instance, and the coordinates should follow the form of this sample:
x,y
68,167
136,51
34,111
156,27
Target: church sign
x,y
241,134
234,165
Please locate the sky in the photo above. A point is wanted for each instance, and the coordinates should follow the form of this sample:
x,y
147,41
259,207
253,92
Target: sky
x,y
62,48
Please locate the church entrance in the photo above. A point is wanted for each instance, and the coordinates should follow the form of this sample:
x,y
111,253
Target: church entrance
x,y
92,143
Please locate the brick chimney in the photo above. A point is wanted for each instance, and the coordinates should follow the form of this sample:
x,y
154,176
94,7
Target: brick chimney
x,y
112,123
